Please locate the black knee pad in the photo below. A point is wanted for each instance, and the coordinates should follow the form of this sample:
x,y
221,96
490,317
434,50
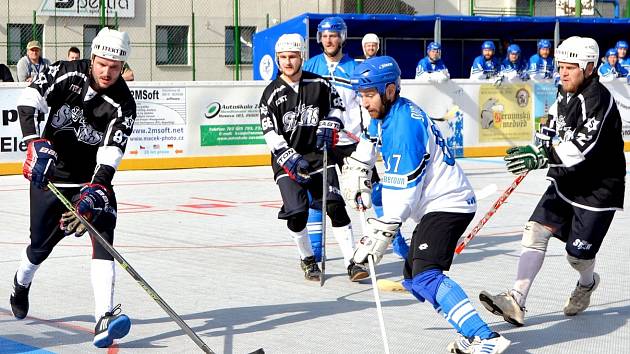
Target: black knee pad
x,y
338,214
297,222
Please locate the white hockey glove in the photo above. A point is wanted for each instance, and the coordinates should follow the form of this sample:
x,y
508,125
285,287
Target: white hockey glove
x,y
379,235
355,181
71,224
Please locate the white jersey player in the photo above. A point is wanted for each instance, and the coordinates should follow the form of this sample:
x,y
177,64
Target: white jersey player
x,y
422,182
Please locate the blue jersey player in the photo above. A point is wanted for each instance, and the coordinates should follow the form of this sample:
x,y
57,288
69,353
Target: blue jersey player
x,y
541,64
610,68
486,66
513,68
622,55
422,182
431,68
337,67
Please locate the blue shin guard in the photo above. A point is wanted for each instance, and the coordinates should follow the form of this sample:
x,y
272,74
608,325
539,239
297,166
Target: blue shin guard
x,y
399,245
449,300
314,227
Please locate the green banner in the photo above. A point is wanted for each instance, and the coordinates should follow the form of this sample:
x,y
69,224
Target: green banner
x,y
231,134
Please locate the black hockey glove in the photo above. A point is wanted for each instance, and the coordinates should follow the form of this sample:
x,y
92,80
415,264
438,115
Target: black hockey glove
x,y
294,164
328,133
94,205
40,162
521,159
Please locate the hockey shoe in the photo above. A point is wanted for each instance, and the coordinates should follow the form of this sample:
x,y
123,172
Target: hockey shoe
x,y
113,325
19,299
504,305
580,297
310,268
357,272
494,345
461,345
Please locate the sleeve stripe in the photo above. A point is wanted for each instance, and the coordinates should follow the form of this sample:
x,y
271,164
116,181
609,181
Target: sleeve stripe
x,y
62,78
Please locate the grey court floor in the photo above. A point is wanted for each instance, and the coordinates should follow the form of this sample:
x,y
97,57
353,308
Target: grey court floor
x,y
209,242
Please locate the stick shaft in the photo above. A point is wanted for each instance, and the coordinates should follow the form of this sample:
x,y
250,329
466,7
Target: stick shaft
x,y
126,266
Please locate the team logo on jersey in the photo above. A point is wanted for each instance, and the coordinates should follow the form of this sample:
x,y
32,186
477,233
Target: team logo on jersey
x,y
212,110
302,116
423,247
71,118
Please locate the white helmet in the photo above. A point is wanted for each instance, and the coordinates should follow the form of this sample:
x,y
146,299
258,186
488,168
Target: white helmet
x,y
371,38
290,42
111,44
578,50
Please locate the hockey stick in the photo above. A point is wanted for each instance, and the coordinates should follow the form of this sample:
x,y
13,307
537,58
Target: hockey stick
x,y
322,276
377,298
126,266
489,214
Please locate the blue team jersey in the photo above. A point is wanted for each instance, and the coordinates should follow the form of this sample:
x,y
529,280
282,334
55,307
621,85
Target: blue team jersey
x,y
542,66
339,74
608,71
507,66
625,63
421,174
482,68
426,66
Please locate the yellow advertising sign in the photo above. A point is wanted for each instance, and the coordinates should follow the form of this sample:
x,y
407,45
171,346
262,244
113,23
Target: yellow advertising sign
x,y
505,113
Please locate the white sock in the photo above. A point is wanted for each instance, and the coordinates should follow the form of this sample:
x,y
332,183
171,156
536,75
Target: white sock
x,y
303,243
344,237
586,276
529,263
26,270
103,278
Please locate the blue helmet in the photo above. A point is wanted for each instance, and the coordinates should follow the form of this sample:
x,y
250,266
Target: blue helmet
x,y
376,72
488,45
434,46
622,44
514,49
333,24
611,51
544,43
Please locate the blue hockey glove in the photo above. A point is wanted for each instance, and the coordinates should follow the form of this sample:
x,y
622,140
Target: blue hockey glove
x,y
328,133
521,159
40,162
294,164
94,205
524,76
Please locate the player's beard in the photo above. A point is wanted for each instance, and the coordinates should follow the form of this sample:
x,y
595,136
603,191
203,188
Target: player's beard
x,y
334,54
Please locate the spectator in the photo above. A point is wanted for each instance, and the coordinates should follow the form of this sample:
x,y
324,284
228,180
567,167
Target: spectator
x,y
370,45
32,64
541,64
486,66
127,73
5,74
74,54
431,68
610,69
622,51
513,68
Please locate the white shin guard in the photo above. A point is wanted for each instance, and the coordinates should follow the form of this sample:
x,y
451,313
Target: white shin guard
x,y
302,242
344,237
26,270
103,279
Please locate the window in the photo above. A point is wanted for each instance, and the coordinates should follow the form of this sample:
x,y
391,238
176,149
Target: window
x,y
89,32
171,45
247,38
18,35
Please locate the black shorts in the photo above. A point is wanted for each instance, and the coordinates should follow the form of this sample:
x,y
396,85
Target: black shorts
x,y
46,210
342,151
434,240
295,196
582,230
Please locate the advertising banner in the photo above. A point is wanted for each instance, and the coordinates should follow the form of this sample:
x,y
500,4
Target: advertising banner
x,y
87,8
544,97
505,113
160,127
11,147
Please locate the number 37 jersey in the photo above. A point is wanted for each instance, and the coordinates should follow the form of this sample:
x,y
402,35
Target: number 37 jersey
x,y
421,175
